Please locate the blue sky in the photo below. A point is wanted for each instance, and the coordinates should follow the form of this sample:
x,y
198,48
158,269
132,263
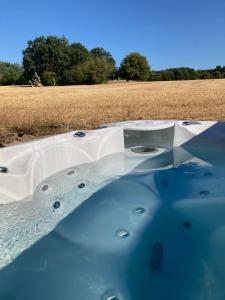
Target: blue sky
x,y
171,33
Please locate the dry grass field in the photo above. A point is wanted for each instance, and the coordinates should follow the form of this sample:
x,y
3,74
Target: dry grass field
x,y
48,110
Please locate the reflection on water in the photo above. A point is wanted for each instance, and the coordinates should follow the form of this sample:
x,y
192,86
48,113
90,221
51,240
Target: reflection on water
x,y
152,227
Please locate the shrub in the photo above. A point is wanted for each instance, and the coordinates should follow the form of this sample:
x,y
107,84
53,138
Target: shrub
x,y
48,78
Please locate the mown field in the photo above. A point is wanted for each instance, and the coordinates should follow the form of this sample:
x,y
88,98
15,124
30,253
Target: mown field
x,y
49,110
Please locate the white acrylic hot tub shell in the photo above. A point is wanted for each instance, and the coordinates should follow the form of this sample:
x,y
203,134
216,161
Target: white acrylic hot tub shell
x,y
31,163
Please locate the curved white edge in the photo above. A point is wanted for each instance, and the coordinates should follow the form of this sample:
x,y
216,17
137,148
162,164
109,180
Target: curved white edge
x,y
142,124
31,163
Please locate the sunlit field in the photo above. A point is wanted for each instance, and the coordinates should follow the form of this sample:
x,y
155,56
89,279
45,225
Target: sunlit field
x,y
49,110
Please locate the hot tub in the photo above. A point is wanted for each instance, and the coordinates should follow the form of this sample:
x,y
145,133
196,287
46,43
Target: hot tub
x,y
131,211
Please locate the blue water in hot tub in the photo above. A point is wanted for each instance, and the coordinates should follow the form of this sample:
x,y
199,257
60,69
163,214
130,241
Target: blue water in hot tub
x,y
156,233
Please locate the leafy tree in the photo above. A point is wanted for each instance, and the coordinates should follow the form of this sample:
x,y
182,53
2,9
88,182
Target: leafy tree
x,y
76,75
219,68
78,54
48,78
67,78
203,74
183,73
46,54
10,73
155,76
134,67
95,70
99,70
56,60
167,75
223,71
100,54
218,74
193,74
187,74
34,57
179,74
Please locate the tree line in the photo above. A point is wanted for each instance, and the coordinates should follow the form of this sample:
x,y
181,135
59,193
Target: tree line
x,y
55,61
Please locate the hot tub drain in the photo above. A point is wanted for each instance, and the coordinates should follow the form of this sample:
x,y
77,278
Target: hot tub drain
x,y
144,149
